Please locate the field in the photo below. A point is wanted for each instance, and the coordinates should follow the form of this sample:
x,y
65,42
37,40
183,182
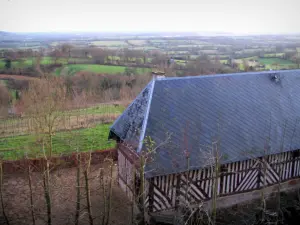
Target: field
x,y
72,69
104,69
259,52
138,42
274,55
109,43
21,45
267,61
29,62
277,63
94,138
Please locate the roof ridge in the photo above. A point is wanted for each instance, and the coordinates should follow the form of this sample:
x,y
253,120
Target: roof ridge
x,y
225,75
144,126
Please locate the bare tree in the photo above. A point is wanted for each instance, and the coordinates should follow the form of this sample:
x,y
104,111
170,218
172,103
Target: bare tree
x,y
5,99
44,102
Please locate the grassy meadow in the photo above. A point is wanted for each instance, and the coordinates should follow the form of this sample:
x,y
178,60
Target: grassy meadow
x,y
94,138
105,69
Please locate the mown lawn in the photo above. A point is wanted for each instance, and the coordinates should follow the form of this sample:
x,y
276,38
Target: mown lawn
x,y
73,69
82,140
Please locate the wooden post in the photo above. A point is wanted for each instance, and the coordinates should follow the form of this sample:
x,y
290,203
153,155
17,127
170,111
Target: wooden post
x,y
259,174
177,191
151,194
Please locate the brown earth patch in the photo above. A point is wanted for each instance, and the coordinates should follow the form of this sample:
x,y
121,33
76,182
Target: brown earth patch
x,y
63,184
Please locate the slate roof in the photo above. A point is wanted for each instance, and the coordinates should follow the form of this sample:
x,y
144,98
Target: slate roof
x,y
243,114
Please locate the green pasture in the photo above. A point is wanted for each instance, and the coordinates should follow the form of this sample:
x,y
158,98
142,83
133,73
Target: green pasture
x,y
73,69
101,109
94,138
2,64
29,62
267,61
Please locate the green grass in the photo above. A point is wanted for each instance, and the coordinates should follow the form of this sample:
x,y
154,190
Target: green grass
x,y
73,69
281,63
101,109
267,61
28,62
94,138
2,64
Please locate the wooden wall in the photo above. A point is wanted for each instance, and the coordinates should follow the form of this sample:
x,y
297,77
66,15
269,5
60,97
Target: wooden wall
x,y
194,186
125,174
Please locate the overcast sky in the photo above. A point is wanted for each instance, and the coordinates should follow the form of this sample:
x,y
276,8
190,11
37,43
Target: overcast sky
x,y
239,16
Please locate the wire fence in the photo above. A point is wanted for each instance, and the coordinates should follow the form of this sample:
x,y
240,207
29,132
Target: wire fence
x,y
75,130
74,119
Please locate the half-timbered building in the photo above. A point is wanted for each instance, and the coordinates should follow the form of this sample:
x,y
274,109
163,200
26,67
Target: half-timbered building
x,y
244,124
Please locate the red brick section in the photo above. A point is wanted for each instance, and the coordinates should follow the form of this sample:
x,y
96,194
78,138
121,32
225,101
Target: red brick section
x,y
66,161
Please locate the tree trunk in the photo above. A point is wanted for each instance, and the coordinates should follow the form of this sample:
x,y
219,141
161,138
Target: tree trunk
x,y
142,189
1,194
88,197
87,190
102,183
215,189
46,182
78,189
31,193
110,195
